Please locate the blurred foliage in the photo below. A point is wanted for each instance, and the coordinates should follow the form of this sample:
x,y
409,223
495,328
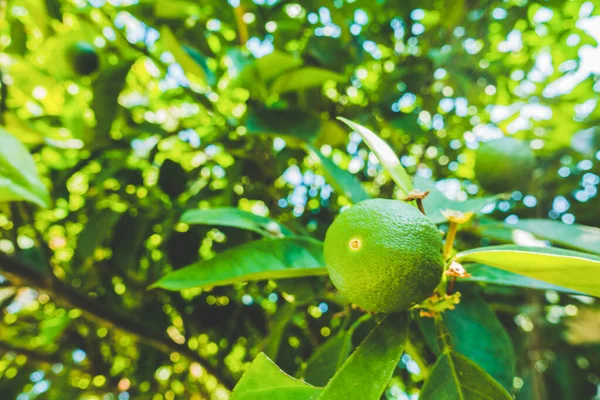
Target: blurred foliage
x,y
213,104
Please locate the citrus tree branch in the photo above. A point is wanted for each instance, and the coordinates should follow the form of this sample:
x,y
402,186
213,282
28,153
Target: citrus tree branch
x,y
23,274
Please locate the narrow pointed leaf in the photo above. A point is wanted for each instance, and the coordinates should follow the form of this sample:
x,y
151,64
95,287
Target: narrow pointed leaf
x,y
19,179
262,259
304,78
182,57
275,63
487,274
385,154
107,87
265,380
455,377
342,181
577,237
278,323
571,269
236,218
291,123
323,364
367,372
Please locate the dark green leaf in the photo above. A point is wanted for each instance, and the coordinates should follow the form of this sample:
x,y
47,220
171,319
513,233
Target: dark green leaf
x,y
327,359
210,76
295,123
342,181
329,52
234,217
264,380
304,78
385,154
18,38
52,328
455,377
53,7
188,63
300,290
95,232
275,63
571,269
131,232
19,179
477,333
278,323
367,372
172,178
107,87
259,260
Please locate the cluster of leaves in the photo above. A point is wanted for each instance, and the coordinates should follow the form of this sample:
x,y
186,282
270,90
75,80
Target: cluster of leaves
x,y
204,157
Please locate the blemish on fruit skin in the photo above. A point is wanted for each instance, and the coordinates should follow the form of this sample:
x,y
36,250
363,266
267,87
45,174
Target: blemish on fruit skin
x,y
355,244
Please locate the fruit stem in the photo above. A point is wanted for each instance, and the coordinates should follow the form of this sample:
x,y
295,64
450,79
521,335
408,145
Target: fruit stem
x,y
449,243
420,206
451,285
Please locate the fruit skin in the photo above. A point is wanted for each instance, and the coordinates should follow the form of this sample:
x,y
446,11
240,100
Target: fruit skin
x,y
398,262
504,165
83,58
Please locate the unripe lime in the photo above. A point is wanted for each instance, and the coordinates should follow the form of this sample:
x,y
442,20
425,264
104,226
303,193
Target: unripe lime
x,y
384,255
82,58
504,165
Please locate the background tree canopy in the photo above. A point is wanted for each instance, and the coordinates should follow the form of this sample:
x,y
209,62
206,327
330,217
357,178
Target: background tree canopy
x,y
165,164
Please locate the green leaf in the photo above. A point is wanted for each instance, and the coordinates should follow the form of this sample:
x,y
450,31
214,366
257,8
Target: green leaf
x,y
278,323
265,380
95,232
385,154
176,9
276,63
367,372
323,364
455,377
107,87
486,274
172,178
200,60
188,64
436,201
577,237
571,269
52,328
262,259
236,218
295,123
304,78
342,181
19,179
300,290
477,333
18,38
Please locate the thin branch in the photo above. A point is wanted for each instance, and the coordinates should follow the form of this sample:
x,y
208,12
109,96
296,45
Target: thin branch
x,y
63,294
38,357
3,97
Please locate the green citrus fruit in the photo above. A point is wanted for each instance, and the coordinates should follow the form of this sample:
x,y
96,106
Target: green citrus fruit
x,y
384,255
83,58
504,165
